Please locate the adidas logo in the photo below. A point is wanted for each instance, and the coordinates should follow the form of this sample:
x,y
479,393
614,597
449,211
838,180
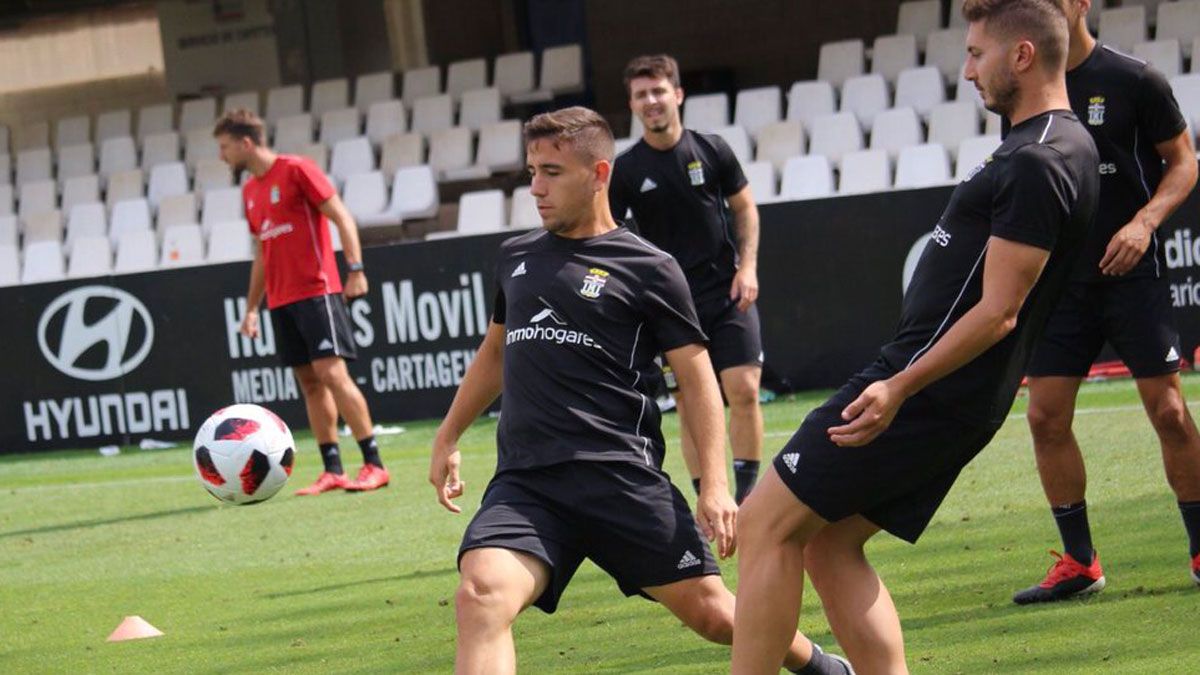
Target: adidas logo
x,y
688,560
1172,355
520,270
325,344
791,460
648,185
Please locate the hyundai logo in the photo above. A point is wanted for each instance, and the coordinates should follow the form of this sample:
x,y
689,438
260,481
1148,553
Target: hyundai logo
x,y
95,333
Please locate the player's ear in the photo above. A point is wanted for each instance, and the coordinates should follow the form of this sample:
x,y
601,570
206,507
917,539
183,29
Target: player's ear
x,y
1024,56
601,172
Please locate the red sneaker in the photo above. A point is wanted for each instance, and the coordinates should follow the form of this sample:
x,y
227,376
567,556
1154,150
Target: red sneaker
x,y
1067,578
1196,569
370,477
326,482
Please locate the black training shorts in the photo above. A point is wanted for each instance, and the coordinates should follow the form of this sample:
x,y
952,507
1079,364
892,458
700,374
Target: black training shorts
x,y
313,328
734,336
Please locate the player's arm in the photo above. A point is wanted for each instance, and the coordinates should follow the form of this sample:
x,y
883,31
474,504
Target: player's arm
x,y
745,221
480,386
1129,244
336,211
715,509
255,292
1010,269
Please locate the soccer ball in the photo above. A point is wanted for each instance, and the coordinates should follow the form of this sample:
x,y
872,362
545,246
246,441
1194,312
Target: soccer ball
x,y
243,454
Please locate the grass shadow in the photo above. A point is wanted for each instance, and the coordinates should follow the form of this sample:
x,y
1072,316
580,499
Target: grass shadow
x,y
419,574
100,522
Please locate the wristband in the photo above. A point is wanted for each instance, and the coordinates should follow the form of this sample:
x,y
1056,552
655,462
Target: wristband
x,y
354,267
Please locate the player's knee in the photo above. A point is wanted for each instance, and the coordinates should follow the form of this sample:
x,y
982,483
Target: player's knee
x,y
1048,426
741,392
310,384
479,601
1170,417
712,620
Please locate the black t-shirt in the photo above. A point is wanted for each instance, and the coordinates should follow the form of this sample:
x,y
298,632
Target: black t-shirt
x,y
1041,188
1129,108
584,320
678,201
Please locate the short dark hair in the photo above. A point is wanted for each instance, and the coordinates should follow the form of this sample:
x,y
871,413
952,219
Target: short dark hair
x,y
242,123
656,66
581,128
1042,22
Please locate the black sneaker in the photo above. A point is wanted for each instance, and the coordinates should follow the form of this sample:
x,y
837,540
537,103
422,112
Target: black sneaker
x,y
1067,578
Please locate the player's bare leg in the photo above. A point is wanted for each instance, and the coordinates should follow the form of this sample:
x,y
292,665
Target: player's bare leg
x,y
1059,461
318,403
332,372
1163,399
496,585
741,385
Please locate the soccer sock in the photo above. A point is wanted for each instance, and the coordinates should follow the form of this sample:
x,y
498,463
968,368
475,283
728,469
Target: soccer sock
x,y
1072,524
696,485
821,664
332,458
1191,521
745,475
370,451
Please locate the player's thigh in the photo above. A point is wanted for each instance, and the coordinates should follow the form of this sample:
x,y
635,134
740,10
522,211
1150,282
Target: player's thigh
x,y
703,603
734,336
502,579
331,370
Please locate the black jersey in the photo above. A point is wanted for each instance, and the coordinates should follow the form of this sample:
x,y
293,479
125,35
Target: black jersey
x,y
583,321
1041,188
678,201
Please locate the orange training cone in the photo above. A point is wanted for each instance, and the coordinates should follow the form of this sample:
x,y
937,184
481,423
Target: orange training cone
x,y
134,628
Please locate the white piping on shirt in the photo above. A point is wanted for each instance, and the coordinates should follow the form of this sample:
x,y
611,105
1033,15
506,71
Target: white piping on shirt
x,y
962,290
1145,188
1049,121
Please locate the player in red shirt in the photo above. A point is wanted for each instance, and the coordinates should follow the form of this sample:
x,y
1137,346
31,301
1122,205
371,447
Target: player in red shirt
x,y
287,202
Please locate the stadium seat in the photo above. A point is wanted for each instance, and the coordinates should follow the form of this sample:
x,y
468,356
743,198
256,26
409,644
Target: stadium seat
x,y
176,210
738,141
85,220
229,240
896,129
10,265
6,199
365,194
620,145
420,83
1164,55
137,251
349,157
865,171
384,119
36,197
971,154
372,88
922,166
91,256
159,149
809,100
199,145
34,165
33,135
951,123
284,102
166,180
116,154
5,169
125,185
80,190
414,193
966,91
892,54
198,113
463,76
327,95
946,51
72,131
76,160
339,125
293,132
9,230
779,141
1179,21
400,150
992,124
432,113
4,141
211,174
450,151
43,262
807,177
318,153
514,74
501,147
155,119
113,124
706,112
479,107
480,212
834,135
919,18
129,215
523,213
865,96
920,89
44,226
756,108
562,70
222,204
1123,27
1187,92
840,61
1150,5
182,245
242,100
761,176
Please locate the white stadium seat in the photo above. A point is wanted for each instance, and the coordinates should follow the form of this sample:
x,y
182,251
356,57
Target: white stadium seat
x,y
75,161
807,177
43,262
514,74
159,149
10,265
481,211
840,61
137,251
125,185
892,54
706,112
463,76
284,102
756,108
37,197
199,145
400,150
34,165
1179,21
33,135
738,141
176,210
420,83
479,107
450,151
1123,27
562,70
114,124
922,166
865,171
809,100
9,228
896,129
166,180
920,18
1187,92
6,199
433,113
761,176
222,204
501,147
384,119
1164,55
866,96
523,213
327,95
91,256
349,157
339,125
946,50
198,113
72,131
44,226
155,119
920,89
182,245
229,240
80,190
972,152
85,220
117,154
242,100
293,132
129,215
211,174
953,122
779,141
414,193
365,194
834,135
372,88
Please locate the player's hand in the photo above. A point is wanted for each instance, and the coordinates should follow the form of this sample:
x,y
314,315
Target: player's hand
x,y
250,324
1126,248
867,416
744,288
716,513
443,475
355,286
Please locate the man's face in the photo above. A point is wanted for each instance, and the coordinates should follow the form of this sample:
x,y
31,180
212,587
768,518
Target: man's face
x,y
563,184
234,151
989,68
655,101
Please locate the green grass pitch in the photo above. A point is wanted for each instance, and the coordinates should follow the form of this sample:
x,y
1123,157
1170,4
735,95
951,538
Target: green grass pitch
x,y
365,583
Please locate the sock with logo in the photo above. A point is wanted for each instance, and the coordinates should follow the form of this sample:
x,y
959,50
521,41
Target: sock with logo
x,y
1072,524
332,458
745,475
370,451
822,664
696,485
1191,520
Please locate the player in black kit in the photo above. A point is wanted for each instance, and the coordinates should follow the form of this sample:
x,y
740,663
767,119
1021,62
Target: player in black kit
x,y
677,182
883,452
583,308
1118,293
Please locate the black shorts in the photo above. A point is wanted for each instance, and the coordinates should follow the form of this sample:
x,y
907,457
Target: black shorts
x,y
898,480
734,336
313,328
1134,315
627,518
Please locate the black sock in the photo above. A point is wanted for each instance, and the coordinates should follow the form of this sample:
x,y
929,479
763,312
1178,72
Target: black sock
x,y
370,451
821,664
745,475
696,485
1191,521
1072,524
332,458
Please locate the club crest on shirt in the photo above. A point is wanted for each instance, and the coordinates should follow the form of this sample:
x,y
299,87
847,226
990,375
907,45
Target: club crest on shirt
x,y
593,283
274,194
696,172
1096,111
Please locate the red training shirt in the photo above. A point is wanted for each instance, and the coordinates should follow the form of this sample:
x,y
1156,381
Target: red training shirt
x,y
293,234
